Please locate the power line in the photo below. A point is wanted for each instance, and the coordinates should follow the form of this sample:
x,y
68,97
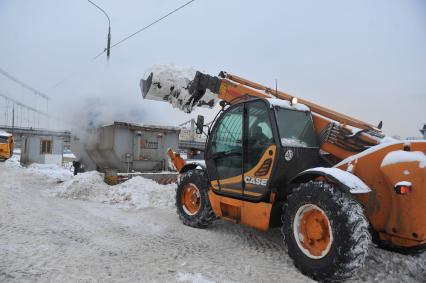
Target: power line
x,y
23,105
36,92
146,27
70,75
119,42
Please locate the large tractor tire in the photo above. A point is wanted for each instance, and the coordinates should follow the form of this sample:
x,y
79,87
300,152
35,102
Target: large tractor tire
x,y
325,231
192,200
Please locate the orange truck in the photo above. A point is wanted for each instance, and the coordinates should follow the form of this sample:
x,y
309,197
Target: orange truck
x,y
6,145
330,181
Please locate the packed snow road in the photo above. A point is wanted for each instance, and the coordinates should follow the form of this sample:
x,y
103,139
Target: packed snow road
x,y
50,235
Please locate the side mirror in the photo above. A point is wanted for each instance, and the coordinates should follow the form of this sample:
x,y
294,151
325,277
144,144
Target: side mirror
x,y
200,124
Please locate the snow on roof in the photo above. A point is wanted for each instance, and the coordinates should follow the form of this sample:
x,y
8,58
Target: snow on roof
x,y
5,134
355,184
286,104
399,156
145,127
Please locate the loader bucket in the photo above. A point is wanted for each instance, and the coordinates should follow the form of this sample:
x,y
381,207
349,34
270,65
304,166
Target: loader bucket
x,y
146,85
185,89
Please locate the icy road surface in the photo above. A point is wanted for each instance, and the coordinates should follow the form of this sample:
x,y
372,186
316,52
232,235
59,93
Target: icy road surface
x,y
46,238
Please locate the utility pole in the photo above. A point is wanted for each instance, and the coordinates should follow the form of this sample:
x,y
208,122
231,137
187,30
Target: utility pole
x,y
108,48
109,40
13,118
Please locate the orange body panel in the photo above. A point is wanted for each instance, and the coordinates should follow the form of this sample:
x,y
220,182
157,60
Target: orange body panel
x,y
177,161
255,215
400,219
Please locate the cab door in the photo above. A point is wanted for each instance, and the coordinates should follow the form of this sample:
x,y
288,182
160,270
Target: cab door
x,y
259,150
224,154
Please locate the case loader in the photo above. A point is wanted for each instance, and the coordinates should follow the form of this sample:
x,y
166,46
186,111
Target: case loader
x,y
330,181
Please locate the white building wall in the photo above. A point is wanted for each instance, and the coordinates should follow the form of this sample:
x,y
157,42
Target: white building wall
x,y
31,151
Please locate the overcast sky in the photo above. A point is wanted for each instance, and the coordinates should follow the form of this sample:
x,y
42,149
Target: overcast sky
x,y
363,58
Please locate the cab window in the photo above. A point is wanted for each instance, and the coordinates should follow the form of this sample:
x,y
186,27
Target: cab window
x,y
227,143
259,136
296,128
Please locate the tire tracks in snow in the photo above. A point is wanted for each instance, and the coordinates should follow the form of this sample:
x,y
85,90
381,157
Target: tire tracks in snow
x,y
43,238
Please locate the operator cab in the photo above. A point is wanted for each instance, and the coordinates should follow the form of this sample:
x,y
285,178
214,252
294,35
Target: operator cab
x,y
255,147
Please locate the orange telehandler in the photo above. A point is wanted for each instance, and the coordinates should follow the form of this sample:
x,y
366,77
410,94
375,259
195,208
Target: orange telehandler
x,y
332,182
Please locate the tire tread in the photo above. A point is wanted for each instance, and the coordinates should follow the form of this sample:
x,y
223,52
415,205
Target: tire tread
x,y
350,254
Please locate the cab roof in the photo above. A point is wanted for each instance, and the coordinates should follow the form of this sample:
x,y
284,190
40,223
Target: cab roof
x,y
4,134
286,104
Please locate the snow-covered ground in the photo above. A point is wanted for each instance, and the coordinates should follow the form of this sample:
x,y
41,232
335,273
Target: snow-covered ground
x,y
58,228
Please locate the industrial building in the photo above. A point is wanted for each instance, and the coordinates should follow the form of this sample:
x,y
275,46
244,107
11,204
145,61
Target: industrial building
x,y
126,147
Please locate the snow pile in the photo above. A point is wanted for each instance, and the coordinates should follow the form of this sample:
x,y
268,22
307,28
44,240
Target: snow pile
x,y
13,162
44,170
355,184
50,170
140,193
400,156
84,186
136,193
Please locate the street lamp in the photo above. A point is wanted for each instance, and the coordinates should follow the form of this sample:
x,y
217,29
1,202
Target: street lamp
x,y
109,29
